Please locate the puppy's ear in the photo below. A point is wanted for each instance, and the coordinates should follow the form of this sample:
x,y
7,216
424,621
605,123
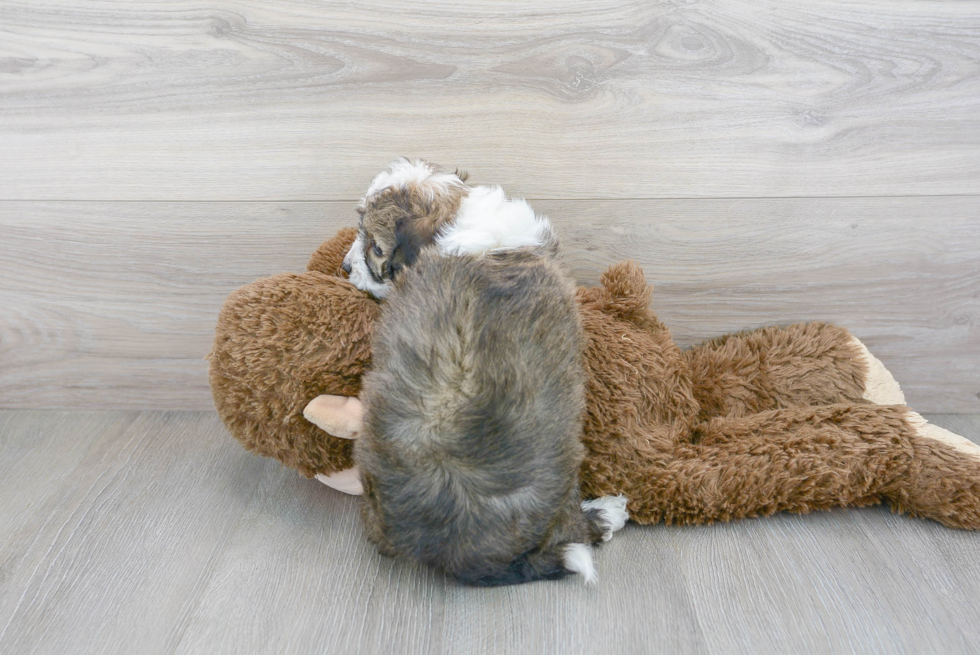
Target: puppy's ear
x,y
462,175
408,243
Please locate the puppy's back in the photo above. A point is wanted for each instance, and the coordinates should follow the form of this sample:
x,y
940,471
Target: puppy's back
x,y
474,404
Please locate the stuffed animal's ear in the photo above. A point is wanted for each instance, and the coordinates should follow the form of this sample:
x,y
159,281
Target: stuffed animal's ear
x,y
329,257
408,243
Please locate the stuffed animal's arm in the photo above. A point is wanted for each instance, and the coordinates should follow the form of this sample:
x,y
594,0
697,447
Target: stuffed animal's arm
x,y
340,416
329,257
795,366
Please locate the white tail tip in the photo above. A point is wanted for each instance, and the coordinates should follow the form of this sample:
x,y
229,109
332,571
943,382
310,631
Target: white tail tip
x,y
578,559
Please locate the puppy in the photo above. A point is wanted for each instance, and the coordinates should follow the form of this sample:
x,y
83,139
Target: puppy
x,y
470,446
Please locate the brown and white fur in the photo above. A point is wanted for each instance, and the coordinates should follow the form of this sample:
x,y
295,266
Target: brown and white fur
x,y
405,207
471,439
413,204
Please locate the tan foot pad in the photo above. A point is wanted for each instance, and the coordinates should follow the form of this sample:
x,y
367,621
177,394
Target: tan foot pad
x,y
880,387
347,481
339,416
929,431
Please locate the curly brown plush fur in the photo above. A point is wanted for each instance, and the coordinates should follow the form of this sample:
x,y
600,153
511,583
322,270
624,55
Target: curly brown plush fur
x,y
277,342
746,425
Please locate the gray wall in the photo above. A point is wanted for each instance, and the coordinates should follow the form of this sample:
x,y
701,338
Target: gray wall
x,y
764,163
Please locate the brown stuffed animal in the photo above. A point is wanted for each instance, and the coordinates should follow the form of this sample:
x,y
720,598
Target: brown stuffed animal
x,y
779,419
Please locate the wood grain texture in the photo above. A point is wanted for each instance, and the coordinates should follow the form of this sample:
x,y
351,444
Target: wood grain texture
x,y
299,577
553,99
39,455
113,304
821,584
155,532
641,604
115,558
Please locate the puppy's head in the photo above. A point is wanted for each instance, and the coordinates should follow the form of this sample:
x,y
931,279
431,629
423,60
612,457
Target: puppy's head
x,y
404,209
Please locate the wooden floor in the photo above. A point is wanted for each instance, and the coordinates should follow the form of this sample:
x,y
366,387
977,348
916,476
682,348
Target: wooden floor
x,y
154,532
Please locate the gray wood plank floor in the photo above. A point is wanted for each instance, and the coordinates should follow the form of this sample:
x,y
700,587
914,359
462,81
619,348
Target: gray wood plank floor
x,y
155,532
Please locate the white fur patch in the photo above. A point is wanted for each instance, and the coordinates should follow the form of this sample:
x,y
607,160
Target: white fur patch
x,y
577,558
613,512
927,430
488,221
402,172
880,386
360,276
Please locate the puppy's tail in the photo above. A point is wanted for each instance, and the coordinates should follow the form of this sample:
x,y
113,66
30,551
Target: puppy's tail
x,y
552,564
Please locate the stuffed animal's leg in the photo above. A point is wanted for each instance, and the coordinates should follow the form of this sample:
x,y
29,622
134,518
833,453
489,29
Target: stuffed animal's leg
x,y
795,366
803,459
340,416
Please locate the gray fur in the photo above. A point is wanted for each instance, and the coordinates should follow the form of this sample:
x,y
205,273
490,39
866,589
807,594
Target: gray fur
x,y
471,444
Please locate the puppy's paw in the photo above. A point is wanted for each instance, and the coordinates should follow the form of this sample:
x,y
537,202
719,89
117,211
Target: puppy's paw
x,y
339,416
611,511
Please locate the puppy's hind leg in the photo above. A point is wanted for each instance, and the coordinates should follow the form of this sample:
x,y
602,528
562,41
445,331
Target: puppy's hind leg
x,y
546,564
605,515
570,549
552,563
598,520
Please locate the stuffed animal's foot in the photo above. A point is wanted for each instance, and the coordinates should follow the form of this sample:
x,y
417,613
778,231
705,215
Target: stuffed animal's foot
x,y
880,386
339,416
927,430
943,482
347,481
612,513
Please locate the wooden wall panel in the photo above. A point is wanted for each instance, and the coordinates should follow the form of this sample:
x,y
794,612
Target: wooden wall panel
x,y
553,99
113,304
